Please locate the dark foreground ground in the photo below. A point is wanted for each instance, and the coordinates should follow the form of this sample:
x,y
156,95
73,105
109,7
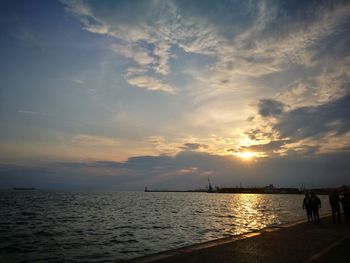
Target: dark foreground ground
x,y
297,242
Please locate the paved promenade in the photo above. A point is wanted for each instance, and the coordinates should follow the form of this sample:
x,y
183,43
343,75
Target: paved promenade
x,y
296,242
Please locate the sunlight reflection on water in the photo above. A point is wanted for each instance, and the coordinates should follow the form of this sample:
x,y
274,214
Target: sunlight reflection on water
x,y
77,226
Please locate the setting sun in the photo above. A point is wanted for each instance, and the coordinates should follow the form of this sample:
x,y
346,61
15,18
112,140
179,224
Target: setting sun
x,y
247,155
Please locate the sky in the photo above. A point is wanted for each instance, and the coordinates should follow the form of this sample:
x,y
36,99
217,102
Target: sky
x,y
119,95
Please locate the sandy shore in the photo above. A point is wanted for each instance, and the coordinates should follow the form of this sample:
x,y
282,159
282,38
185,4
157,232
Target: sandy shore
x,y
296,242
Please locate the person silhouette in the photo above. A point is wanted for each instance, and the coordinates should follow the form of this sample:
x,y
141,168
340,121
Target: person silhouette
x,y
345,201
307,206
315,205
334,201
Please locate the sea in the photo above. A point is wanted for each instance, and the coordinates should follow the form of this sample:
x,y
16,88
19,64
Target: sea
x,y
67,226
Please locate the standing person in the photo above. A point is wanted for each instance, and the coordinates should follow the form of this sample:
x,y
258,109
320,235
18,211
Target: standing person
x,y
346,206
307,206
315,205
334,201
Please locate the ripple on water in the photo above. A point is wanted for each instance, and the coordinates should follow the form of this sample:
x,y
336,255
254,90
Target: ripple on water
x,y
44,233
76,227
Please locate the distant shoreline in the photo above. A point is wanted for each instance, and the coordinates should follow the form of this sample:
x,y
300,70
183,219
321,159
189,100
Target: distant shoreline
x,y
175,191
253,190
213,192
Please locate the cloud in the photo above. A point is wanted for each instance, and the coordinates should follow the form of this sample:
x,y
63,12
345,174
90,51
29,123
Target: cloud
x,y
140,79
85,140
330,83
230,55
23,33
296,39
218,57
76,81
333,83
270,108
34,113
267,147
306,130
186,170
139,31
194,146
270,50
138,54
246,41
316,121
259,134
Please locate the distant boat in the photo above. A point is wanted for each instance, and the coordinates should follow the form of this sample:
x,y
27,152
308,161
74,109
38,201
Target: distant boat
x,y
24,188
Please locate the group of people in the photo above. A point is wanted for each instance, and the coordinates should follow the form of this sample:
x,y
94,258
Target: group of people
x,y
335,201
312,204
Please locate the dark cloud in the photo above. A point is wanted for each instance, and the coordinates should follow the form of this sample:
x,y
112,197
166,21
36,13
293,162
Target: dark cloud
x,y
318,124
268,147
138,163
317,121
305,150
257,134
187,170
270,108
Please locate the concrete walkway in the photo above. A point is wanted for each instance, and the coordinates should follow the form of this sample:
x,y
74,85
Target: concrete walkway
x,y
297,242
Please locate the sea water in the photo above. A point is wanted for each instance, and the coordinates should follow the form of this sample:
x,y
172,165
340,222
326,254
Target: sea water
x,y
51,226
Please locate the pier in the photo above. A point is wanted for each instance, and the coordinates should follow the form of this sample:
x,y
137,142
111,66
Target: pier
x,y
295,242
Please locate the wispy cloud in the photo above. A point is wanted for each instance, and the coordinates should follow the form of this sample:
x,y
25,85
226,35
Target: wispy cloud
x,y
85,140
18,29
140,79
139,54
256,48
148,39
34,113
76,81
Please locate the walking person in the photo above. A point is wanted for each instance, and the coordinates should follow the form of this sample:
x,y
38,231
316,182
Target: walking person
x,y
334,201
315,206
307,206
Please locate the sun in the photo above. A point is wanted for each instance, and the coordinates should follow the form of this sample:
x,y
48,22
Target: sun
x,y
246,155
